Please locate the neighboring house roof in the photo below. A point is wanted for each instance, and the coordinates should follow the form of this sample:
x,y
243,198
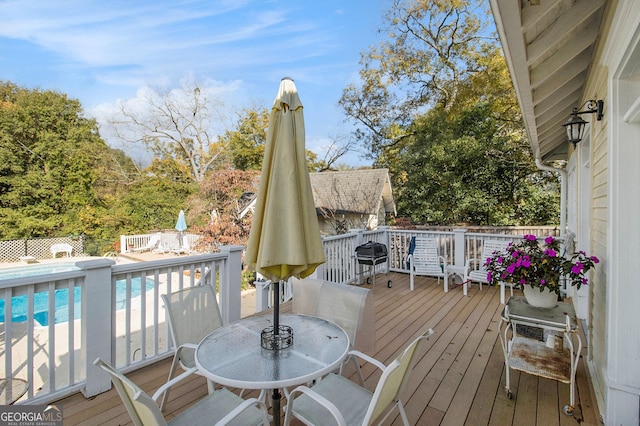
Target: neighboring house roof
x,y
353,191
549,48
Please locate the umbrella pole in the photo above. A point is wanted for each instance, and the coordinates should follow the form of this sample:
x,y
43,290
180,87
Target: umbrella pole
x,y
275,397
275,403
276,307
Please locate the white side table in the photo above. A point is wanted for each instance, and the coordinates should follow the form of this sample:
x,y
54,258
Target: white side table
x,y
556,351
453,270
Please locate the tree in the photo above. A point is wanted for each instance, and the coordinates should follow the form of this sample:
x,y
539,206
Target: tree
x,y
247,141
178,124
50,156
436,106
222,199
339,146
463,171
246,144
433,48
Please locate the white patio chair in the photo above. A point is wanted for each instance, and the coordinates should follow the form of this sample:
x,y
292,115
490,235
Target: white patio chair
x,y
424,259
351,404
169,243
192,313
474,270
350,307
150,246
61,248
221,407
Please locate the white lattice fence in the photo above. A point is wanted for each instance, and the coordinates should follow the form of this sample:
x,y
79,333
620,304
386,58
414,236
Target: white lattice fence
x,y
38,248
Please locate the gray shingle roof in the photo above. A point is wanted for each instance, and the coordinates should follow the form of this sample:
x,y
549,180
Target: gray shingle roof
x,y
357,191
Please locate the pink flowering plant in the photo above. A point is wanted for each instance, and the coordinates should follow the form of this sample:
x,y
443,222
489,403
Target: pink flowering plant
x,y
529,262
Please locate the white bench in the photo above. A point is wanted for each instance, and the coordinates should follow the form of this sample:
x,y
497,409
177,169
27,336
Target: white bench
x,y
61,248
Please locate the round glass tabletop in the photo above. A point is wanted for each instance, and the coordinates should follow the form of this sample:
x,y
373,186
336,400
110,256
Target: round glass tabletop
x,y
233,356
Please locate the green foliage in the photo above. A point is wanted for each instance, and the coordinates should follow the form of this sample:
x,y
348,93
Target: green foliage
x,y
461,170
436,106
49,157
58,177
246,143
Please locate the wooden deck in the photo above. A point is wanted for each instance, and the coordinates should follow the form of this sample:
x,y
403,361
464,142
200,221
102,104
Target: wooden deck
x,y
459,379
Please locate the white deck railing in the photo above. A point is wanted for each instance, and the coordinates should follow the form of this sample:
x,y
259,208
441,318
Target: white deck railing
x,y
102,310
123,321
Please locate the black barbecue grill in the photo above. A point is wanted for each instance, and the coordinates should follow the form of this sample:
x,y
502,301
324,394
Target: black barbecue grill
x,y
372,254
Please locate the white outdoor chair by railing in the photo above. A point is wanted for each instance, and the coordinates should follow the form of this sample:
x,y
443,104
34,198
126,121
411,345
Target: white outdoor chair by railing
x,y
351,404
221,407
474,268
192,313
424,259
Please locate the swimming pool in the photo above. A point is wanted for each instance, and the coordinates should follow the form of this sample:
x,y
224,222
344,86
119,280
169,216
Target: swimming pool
x,y
41,302
32,270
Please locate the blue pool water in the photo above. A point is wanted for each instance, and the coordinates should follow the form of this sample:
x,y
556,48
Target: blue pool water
x,y
41,303
31,270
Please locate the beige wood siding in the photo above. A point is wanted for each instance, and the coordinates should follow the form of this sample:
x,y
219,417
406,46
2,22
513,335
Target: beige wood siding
x,y
597,336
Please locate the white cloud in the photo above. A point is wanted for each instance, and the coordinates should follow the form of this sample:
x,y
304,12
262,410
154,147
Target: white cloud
x,y
223,102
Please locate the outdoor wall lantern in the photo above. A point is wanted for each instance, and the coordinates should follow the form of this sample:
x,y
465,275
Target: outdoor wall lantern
x,y
575,125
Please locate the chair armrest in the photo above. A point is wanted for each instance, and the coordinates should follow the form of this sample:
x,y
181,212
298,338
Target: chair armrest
x,y
184,346
473,261
240,408
368,359
328,405
172,382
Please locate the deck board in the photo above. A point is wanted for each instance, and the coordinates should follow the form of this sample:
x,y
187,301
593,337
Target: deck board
x,y
458,380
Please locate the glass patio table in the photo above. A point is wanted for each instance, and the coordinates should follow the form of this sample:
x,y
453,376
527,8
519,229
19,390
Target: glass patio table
x,y
232,355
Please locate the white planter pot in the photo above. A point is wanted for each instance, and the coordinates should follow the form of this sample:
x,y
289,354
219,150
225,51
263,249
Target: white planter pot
x,y
540,299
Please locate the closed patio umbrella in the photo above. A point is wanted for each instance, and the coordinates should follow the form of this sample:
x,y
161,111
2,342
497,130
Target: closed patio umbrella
x,y
181,225
284,240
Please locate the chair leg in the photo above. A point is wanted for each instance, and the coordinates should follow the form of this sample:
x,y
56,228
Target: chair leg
x,y
174,364
403,414
356,365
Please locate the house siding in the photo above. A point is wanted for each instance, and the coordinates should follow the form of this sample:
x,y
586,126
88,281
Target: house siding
x,y
597,334
613,338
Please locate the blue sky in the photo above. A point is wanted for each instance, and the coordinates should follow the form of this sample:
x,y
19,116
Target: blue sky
x,y
105,52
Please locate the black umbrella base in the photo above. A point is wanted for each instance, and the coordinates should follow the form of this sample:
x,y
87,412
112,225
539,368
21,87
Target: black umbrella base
x,y
273,339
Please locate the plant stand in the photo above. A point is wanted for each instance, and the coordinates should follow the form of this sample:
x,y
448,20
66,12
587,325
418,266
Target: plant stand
x,y
556,358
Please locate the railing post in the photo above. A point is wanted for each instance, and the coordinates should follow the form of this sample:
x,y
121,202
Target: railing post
x,y
387,241
96,336
359,241
458,244
231,284
123,244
